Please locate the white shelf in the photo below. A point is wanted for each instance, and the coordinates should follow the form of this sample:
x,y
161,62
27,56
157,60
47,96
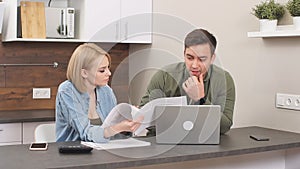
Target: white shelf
x,y
282,31
43,40
129,21
70,40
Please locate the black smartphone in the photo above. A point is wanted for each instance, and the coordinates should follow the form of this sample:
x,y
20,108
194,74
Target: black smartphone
x,y
38,146
259,137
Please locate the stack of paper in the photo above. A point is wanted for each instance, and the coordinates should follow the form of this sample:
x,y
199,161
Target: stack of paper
x,y
125,111
113,144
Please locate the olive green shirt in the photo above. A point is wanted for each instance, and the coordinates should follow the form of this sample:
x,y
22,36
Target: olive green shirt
x,y
218,87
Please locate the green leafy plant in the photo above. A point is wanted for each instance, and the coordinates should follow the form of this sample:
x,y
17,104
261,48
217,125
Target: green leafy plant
x,y
268,10
293,6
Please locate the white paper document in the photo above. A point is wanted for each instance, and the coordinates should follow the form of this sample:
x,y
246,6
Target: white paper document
x,y
125,111
113,144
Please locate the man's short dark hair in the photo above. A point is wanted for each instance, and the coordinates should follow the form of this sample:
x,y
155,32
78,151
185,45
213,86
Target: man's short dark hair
x,y
199,37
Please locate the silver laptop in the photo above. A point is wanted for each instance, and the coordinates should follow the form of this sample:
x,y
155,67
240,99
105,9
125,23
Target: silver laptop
x,y
189,124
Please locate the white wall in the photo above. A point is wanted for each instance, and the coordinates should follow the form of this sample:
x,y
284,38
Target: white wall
x,y
260,67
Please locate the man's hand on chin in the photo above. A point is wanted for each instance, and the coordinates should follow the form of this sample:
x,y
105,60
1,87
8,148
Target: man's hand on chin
x,y
194,87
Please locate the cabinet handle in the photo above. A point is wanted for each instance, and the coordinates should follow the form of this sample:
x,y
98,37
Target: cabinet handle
x,y
1,130
126,30
117,31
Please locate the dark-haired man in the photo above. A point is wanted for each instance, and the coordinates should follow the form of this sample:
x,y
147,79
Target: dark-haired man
x,y
197,78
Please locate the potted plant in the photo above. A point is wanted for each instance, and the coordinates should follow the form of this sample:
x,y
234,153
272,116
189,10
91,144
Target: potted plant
x,y
268,12
293,6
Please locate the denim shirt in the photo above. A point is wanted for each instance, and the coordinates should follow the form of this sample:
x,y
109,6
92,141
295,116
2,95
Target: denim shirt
x,y
72,122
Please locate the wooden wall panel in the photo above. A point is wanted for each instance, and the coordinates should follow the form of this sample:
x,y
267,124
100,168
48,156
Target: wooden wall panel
x,y
121,92
2,77
120,75
33,52
21,99
37,76
17,81
120,68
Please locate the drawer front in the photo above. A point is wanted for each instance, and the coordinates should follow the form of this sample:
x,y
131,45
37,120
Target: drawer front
x,y
10,132
10,143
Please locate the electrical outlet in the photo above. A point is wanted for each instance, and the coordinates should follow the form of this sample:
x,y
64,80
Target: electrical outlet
x,y
41,93
288,101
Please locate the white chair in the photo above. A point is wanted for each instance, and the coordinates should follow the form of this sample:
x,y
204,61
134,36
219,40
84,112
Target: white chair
x,y
45,133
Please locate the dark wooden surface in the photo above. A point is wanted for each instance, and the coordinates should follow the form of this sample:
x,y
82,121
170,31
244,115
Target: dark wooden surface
x,y
16,82
26,116
236,142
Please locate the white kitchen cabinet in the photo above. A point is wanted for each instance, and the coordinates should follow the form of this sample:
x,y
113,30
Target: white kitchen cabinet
x,y
119,21
136,21
97,20
18,133
125,21
10,133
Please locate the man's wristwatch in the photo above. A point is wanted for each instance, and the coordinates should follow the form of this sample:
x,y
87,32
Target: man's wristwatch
x,y
202,100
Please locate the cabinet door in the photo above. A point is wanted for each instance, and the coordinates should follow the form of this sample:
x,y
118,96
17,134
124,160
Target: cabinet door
x,y
136,21
28,131
127,21
10,133
9,28
97,20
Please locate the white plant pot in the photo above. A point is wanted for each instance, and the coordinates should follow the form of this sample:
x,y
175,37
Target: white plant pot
x,y
296,21
267,25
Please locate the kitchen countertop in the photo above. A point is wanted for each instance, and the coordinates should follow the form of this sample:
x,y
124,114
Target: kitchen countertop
x,y
236,142
26,116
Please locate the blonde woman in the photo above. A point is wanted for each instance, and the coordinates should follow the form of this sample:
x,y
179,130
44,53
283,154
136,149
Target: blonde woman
x,y
84,100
